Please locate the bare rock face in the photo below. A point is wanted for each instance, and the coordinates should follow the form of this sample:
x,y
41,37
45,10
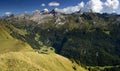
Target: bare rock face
x,y
45,11
78,12
43,16
22,16
54,12
37,16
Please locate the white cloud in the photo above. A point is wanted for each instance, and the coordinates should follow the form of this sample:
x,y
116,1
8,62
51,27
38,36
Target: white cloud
x,y
72,9
112,4
81,4
43,4
8,13
46,10
95,5
54,4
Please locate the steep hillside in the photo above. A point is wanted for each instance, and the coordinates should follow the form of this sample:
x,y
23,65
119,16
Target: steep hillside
x,y
8,43
32,61
3,33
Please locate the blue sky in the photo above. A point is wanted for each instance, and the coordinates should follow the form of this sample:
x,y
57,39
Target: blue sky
x,y
20,6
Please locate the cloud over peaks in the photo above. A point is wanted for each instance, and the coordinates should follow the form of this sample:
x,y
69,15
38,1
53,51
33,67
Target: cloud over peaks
x,y
95,5
72,9
112,4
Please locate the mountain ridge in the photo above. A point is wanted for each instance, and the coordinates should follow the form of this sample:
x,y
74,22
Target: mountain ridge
x,y
91,39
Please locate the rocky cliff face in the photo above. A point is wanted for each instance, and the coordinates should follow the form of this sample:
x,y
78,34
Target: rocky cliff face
x,y
43,16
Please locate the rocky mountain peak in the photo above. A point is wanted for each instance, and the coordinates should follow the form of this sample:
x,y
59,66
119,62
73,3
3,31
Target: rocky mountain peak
x,y
45,11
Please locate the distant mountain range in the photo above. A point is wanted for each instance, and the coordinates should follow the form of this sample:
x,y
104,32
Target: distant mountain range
x,y
90,39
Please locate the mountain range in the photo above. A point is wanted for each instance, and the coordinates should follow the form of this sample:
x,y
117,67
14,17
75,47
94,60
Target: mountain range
x,y
88,39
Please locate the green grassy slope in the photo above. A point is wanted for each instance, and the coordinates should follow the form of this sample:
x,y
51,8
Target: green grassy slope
x,y
4,34
32,61
8,43
13,45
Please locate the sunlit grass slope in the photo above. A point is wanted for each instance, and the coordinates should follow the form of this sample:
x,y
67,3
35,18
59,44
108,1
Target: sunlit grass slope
x,y
4,34
8,43
32,61
13,45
